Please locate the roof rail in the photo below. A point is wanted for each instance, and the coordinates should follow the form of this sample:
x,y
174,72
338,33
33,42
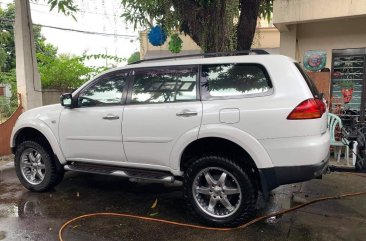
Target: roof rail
x,y
211,54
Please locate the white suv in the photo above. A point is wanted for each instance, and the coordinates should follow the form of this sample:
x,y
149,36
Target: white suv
x,y
228,127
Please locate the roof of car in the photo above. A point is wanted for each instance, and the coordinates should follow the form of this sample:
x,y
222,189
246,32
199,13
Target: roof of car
x,y
201,60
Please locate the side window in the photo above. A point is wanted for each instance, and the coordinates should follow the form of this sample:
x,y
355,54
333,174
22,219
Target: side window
x,y
233,80
164,84
107,90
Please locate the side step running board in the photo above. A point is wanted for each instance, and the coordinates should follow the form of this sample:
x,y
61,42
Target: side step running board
x,y
132,174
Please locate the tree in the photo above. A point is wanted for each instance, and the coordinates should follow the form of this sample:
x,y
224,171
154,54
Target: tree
x,y
64,72
215,25
133,58
7,47
67,7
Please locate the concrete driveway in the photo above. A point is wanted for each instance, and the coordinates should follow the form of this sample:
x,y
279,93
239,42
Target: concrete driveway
x,y
38,216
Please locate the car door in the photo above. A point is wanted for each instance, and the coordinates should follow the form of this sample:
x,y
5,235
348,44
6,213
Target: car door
x,y
92,131
162,107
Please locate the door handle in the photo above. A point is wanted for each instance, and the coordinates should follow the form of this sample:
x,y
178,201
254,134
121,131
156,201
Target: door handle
x,y
110,117
186,113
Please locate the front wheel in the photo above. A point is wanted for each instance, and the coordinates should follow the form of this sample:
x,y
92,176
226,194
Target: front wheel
x,y
219,191
35,168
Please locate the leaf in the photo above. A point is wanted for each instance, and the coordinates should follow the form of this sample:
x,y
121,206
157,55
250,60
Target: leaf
x,y
73,227
53,4
153,214
154,204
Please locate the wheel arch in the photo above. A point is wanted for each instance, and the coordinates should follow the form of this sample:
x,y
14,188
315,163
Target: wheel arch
x,y
32,132
249,144
213,145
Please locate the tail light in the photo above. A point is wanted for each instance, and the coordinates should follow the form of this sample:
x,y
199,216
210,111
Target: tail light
x,y
308,109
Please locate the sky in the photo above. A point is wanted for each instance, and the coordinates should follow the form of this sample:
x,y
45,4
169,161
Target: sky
x,y
93,15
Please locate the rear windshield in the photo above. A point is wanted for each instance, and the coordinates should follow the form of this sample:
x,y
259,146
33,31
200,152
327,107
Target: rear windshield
x,y
308,80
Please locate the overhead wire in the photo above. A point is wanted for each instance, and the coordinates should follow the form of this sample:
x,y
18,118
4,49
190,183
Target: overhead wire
x,y
115,35
80,10
77,30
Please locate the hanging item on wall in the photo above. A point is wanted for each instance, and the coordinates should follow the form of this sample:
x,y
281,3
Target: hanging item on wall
x,y
157,36
346,90
315,60
175,43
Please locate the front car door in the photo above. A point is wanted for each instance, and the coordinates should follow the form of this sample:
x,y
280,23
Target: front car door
x,y
92,131
163,106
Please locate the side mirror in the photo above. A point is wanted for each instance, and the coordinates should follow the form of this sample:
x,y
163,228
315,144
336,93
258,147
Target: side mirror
x,y
66,100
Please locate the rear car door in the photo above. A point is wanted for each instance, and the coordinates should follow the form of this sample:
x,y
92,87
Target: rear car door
x,y
163,105
92,131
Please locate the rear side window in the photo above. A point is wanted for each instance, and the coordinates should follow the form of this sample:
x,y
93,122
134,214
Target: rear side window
x,y
164,84
314,90
221,81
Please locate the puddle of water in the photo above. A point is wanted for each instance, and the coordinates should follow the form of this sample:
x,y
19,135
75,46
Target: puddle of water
x,y
273,220
8,210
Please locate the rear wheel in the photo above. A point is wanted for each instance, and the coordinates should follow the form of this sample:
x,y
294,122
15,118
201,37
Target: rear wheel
x,y
219,191
35,167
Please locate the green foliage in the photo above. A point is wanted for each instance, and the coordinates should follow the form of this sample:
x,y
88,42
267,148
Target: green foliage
x,y
7,38
7,42
347,84
134,58
3,57
7,106
64,72
175,43
210,23
266,10
102,56
147,13
66,7
9,79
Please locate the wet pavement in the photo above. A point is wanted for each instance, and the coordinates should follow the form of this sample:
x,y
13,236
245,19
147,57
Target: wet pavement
x,y
38,216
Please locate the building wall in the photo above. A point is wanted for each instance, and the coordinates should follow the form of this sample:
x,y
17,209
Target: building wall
x,y
50,97
328,35
5,90
145,47
287,12
267,38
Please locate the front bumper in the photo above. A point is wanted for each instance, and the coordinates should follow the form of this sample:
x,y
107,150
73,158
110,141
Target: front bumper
x,y
275,176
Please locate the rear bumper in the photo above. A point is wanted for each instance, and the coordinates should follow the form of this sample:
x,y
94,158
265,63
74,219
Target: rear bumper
x,y
276,176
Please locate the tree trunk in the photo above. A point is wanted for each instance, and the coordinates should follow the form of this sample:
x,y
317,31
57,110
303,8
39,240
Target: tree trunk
x,y
206,25
247,23
209,27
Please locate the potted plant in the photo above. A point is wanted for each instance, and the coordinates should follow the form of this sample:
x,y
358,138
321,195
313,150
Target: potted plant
x,y
347,90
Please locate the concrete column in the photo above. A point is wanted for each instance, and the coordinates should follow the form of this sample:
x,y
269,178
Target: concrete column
x,y
28,78
288,42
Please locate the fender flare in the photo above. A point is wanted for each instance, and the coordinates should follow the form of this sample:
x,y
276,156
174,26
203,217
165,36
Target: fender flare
x,y
44,130
233,134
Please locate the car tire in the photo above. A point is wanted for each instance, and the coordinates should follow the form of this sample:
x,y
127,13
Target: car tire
x,y
35,166
207,196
